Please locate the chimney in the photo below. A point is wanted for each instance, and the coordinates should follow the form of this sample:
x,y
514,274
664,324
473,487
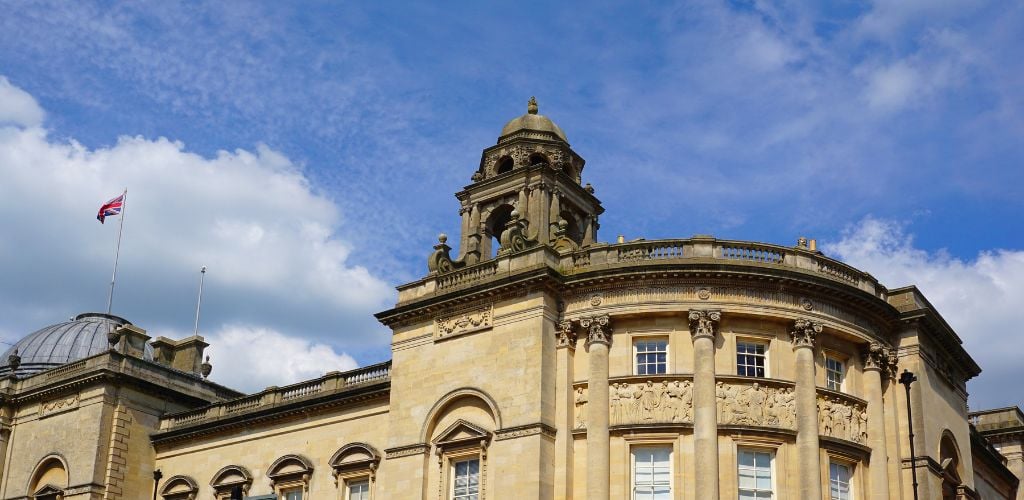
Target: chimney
x,y
813,245
185,355
621,239
133,340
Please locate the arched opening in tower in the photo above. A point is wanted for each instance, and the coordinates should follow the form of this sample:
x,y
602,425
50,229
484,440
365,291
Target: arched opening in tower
x,y
496,224
505,165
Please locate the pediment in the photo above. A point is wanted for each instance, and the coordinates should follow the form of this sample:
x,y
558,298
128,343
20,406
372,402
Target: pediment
x,y
49,489
462,431
290,465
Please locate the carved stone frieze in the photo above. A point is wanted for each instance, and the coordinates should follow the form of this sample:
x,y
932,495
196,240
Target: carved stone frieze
x,y
805,332
406,451
704,323
598,328
755,404
524,431
464,322
651,402
842,419
59,405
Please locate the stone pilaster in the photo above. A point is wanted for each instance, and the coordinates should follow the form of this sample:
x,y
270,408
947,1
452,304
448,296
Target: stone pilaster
x,y
804,334
599,337
876,360
565,350
704,328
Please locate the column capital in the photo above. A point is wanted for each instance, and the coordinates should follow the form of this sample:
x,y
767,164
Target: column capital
x,y
704,323
566,334
599,329
804,332
879,357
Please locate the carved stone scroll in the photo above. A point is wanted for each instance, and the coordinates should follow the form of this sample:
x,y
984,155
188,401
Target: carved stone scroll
x,y
842,419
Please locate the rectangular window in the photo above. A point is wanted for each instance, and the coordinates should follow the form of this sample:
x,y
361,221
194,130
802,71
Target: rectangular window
x,y
292,494
466,480
835,370
359,490
750,359
755,474
652,473
839,481
651,356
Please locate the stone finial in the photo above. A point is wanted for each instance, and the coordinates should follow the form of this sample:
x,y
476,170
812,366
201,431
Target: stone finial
x,y
598,329
206,368
704,323
442,238
531,107
804,332
588,188
566,334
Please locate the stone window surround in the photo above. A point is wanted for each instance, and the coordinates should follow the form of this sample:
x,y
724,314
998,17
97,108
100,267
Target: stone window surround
x,y
753,338
844,360
850,466
636,337
352,481
281,482
170,490
222,489
674,485
348,472
643,439
761,445
455,450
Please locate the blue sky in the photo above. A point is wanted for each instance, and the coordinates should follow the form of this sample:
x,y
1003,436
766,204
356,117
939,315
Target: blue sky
x,y
890,131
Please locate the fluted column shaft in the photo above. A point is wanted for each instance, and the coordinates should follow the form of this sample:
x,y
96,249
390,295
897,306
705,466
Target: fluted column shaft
x,y
803,335
875,360
703,325
598,446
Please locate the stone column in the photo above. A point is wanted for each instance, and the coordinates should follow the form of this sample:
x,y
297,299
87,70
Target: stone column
x,y
555,211
703,327
803,336
565,411
876,359
599,337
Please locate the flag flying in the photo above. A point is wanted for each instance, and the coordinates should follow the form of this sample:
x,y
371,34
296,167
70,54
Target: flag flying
x,y
111,208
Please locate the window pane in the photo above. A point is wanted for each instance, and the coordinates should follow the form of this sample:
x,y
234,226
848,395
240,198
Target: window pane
x,y
652,472
754,472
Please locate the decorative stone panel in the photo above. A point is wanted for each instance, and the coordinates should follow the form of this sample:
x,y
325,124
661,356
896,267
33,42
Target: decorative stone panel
x,y
464,322
756,404
59,405
842,417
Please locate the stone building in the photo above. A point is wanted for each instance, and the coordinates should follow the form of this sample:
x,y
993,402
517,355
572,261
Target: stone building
x,y
538,362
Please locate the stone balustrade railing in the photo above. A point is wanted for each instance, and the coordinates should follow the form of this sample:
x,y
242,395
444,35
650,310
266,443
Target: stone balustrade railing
x,y
648,252
272,396
741,401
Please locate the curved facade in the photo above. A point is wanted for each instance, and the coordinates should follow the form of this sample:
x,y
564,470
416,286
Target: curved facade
x,y
538,362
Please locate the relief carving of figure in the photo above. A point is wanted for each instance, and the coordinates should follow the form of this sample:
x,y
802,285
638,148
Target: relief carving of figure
x,y
726,395
650,400
825,407
781,412
581,407
840,420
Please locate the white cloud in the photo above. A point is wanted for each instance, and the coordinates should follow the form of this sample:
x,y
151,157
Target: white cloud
x,y
18,107
270,240
980,298
252,358
893,86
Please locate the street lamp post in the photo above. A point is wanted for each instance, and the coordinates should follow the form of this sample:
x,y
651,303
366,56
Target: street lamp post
x,y
157,475
907,378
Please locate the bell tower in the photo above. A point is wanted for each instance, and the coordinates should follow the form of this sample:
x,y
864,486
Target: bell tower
x,y
527,191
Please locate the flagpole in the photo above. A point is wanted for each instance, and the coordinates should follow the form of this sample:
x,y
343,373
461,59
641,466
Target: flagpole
x,y
117,253
199,303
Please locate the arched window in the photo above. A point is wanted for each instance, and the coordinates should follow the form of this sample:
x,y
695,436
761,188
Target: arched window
x,y
949,460
355,470
232,481
496,223
289,476
180,488
538,159
49,479
505,164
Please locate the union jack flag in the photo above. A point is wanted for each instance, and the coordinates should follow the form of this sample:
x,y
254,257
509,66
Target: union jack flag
x,y
111,208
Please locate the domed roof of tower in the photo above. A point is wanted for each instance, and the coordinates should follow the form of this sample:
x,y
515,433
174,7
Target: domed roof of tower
x,y
56,345
532,121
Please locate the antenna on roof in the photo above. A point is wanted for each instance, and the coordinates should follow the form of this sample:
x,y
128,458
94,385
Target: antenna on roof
x,y
199,302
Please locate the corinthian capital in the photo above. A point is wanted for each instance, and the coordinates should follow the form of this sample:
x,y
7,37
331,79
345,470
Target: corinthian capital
x,y
804,332
876,357
704,323
566,334
598,328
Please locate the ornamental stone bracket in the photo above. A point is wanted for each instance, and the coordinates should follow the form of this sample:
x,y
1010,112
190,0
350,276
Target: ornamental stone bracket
x,y
704,323
805,332
598,328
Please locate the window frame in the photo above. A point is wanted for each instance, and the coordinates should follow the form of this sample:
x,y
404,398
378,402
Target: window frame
x,y
844,371
349,482
638,339
633,466
284,490
453,462
851,482
772,455
743,339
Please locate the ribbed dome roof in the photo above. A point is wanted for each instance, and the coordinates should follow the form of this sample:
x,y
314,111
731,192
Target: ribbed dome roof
x,y
532,121
59,344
